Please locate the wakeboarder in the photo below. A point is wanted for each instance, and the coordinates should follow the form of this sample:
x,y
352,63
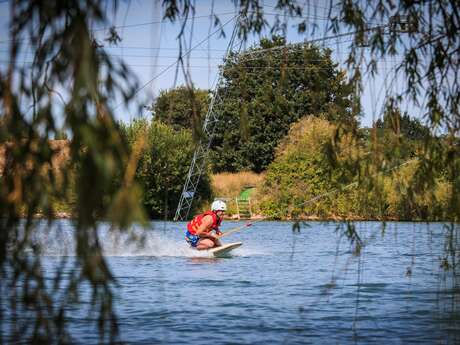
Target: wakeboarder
x,y
199,230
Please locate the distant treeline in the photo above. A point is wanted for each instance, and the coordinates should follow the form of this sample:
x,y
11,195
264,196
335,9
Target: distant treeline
x,y
306,179
282,114
290,114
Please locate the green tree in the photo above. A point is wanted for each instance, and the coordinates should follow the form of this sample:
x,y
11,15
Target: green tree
x,y
163,166
406,203
181,107
402,124
66,57
265,92
424,34
396,137
301,173
301,181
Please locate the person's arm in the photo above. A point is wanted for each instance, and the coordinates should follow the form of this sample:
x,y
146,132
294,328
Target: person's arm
x,y
203,231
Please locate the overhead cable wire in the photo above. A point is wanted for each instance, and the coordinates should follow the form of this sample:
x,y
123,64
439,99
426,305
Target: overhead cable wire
x,y
298,67
293,45
215,58
156,22
174,63
125,26
115,54
200,17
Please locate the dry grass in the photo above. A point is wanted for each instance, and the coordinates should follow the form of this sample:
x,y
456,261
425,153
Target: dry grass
x,y
229,185
60,148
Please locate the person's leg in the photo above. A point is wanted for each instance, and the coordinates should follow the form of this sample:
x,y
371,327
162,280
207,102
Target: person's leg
x,y
217,243
205,243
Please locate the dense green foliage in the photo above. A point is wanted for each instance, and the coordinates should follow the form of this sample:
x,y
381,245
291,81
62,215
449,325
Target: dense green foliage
x,y
424,34
401,124
301,182
163,166
69,69
301,172
181,107
266,92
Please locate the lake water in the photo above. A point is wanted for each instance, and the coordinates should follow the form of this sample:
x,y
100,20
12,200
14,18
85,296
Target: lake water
x,y
280,287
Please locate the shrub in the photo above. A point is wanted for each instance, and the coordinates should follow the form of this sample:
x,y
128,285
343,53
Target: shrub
x,y
163,166
301,172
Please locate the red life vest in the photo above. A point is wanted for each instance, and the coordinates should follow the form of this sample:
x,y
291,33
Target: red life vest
x,y
195,223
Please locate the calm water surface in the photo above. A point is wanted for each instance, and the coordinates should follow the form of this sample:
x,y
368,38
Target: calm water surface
x,y
280,287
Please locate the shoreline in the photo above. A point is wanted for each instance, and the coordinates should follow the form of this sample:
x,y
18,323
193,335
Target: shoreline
x,y
69,215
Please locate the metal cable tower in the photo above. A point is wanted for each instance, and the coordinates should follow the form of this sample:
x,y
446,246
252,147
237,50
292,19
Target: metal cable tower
x,y
209,126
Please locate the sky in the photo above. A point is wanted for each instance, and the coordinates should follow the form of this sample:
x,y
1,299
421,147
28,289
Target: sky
x,y
150,48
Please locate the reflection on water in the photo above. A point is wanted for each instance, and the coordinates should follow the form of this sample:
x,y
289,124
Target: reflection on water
x,y
202,260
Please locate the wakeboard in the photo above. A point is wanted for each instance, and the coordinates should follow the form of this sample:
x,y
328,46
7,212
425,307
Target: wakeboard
x,y
224,250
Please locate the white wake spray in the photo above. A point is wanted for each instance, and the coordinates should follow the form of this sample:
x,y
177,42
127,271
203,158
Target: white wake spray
x,y
59,241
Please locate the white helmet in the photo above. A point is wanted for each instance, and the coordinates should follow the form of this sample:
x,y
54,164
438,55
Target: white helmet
x,y
218,205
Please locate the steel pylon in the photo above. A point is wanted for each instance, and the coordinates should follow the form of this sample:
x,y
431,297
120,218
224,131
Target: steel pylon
x,y
198,164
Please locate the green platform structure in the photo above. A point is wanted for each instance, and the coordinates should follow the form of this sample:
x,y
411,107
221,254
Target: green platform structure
x,y
243,202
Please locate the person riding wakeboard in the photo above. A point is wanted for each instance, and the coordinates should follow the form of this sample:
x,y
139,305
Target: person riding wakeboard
x,y
199,230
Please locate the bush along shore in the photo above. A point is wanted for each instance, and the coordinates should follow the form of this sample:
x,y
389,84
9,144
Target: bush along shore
x,y
300,182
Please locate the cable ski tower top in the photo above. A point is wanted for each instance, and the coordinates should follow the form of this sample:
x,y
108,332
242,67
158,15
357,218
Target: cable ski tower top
x,y
209,126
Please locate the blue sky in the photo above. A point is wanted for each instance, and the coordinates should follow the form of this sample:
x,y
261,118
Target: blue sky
x,y
150,47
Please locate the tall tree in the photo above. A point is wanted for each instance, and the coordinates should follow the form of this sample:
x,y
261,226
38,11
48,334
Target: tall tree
x,y
265,92
73,78
425,35
181,107
402,124
162,166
